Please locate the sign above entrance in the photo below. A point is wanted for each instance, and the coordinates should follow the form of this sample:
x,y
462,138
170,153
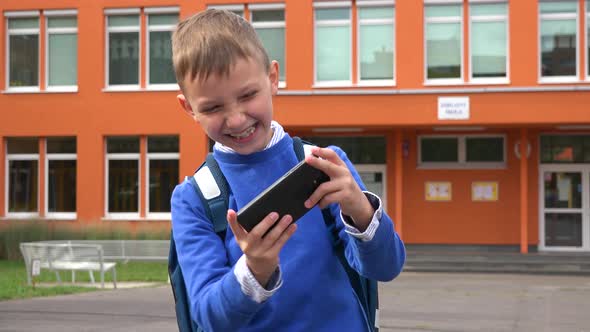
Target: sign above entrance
x,y
453,108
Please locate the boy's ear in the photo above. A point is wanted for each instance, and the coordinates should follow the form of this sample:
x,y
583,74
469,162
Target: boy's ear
x,y
186,106
273,76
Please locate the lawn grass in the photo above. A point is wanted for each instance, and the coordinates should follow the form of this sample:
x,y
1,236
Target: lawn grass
x,y
13,279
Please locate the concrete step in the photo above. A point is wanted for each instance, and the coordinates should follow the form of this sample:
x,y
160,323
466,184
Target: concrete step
x,y
453,259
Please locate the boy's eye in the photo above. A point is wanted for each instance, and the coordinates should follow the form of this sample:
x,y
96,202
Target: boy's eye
x,y
248,95
211,109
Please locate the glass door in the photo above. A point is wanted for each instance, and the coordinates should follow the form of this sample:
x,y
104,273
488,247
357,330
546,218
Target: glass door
x,y
373,177
565,213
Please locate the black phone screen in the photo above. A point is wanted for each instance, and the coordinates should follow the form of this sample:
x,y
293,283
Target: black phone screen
x,y
284,196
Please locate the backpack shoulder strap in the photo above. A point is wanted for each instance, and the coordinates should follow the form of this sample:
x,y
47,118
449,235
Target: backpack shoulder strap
x,y
301,147
212,188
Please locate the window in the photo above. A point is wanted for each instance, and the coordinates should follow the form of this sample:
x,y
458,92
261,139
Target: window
x,y
160,27
484,149
122,177
59,167
332,44
124,170
60,184
359,149
444,43
439,149
162,174
488,42
558,40
23,51
62,51
124,37
123,48
269,22
368,62
565,149
376,40
467,151
22,158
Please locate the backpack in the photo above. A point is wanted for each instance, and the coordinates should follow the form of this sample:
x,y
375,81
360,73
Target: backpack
x,y
216,202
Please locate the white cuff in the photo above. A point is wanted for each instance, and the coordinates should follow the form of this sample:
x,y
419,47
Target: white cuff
x,y
369,233
251,287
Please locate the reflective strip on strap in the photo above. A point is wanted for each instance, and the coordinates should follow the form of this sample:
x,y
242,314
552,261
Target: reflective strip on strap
x,y
376,318
207,183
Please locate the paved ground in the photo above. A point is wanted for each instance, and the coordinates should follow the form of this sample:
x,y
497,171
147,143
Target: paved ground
x,y
415,302
485,302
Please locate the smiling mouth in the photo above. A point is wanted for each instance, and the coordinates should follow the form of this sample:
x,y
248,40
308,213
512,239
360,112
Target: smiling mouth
x,y
244,134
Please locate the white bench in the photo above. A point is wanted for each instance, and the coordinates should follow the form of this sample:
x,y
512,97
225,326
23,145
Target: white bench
x,y
129,250
69,257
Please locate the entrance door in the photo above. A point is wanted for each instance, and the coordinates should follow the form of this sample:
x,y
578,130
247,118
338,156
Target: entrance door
x,y
565,207
373,176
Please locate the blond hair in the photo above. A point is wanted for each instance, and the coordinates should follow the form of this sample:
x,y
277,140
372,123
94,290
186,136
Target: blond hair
x,y
210,42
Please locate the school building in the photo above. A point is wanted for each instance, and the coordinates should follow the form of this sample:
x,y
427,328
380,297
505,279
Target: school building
x,y
471,118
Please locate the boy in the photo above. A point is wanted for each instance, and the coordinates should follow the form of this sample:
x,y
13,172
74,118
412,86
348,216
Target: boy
x,y
290,279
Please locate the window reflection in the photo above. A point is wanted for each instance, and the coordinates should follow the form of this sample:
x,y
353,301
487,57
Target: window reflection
x,y
563,229
62,186
163,179
563,190
22,184
123,186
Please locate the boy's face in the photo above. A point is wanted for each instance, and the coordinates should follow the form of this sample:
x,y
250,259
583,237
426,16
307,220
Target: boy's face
x,y
234,110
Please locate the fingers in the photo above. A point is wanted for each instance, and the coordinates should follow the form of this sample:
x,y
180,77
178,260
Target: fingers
x,y
259,230
280,233
326,157
275,233
286,235
327,192
236,228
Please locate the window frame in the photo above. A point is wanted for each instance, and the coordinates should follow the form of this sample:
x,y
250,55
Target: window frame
x,y
108,13
148,12
61,14
444,20
461,162
489,18
332,23
231,8
375,22
29,31
18,157
149,157
121,156
58,156
551,17
272,25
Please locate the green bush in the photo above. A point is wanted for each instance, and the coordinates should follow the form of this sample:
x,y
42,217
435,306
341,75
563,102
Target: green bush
x,y
29,231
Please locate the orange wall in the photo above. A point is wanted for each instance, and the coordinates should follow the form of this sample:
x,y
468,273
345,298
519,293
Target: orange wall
x,y
461,220
492,109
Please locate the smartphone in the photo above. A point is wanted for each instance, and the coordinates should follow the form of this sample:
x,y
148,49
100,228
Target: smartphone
x,y
284,196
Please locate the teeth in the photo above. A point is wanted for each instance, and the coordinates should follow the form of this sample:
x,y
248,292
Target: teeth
x,y
245,133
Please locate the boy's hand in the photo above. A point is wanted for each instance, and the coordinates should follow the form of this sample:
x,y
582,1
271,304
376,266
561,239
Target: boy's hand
x,y
341,189
262,253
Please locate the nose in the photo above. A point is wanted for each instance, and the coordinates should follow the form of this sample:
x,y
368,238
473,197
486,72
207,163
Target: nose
x,y
235,116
